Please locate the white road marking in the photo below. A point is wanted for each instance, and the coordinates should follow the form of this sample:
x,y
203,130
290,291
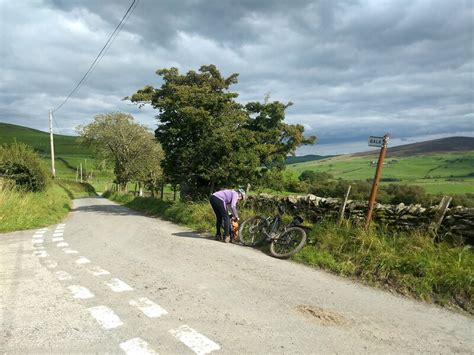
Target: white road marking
x,y
42,230
150,308
41,254
70,251
38,241
62,244
105,317
80,292
82,260
137,346
38,247
63,275
59,239
50,264
38,236
98,271
118,285
62,225
57,234
197,342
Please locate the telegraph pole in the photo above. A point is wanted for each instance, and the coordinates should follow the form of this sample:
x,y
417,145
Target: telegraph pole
x,y
51,139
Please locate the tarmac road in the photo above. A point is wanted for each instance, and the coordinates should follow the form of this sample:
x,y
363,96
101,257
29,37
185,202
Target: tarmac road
x,y
109,280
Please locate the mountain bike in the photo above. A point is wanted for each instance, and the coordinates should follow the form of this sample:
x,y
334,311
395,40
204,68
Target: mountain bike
x,y
284,240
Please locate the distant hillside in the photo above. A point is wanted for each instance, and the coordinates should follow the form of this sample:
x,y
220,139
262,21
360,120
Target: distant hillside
x,y
39,140
305,158
442,145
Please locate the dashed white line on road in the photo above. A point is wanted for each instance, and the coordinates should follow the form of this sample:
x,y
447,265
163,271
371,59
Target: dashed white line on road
x,y
197,342
63,275
82,260
80,292
59,239
105,317
41,254
62,244
136,346
118,285
50,264
70,251
98,271
149,308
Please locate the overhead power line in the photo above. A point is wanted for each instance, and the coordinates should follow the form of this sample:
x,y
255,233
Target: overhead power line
x,y
101,53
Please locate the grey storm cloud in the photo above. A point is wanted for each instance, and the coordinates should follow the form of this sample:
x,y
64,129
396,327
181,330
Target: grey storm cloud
x,y
351,68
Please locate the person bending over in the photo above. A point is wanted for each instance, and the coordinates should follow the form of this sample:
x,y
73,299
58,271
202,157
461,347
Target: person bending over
x,y
219,201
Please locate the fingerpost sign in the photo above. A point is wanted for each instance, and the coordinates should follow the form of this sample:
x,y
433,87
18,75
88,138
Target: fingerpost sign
x,y
381,142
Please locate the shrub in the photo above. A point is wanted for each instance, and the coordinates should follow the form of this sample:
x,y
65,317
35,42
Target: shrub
x,y
408,194
314,176
19,162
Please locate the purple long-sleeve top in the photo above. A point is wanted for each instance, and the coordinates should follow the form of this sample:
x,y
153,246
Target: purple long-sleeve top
x,y
229,197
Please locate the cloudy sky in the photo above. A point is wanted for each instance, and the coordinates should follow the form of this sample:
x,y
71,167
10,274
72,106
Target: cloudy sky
x,y
352,68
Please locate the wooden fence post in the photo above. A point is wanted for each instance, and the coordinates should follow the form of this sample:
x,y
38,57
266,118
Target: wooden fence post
x,y
343,206
442,208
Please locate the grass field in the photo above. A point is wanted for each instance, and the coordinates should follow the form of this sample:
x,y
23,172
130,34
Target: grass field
x,y
449,173
69,153
27,210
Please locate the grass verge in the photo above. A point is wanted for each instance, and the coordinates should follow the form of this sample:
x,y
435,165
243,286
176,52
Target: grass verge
x,y
27,210
409,264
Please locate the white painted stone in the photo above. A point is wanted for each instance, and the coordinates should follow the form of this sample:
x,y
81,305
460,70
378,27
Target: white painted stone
x,y
137,346
98,271
149,308
105,317
117,285
82,260
80,292
197,342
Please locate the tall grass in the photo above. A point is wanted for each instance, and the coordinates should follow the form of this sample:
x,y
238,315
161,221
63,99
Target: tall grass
x,y
407,263
25,210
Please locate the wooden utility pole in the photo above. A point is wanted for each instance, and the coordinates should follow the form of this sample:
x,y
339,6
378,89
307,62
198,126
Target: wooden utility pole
x,y
375,184
81,171
51,139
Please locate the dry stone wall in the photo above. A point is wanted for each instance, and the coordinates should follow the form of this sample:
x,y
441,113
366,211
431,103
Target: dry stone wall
x,y
458,222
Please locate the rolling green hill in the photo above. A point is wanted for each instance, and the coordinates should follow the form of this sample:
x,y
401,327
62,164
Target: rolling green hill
x,y
69,154
305,158
39,140
437,167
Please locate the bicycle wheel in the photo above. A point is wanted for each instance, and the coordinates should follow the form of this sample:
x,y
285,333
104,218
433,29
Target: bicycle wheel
x,y
288,243
251,231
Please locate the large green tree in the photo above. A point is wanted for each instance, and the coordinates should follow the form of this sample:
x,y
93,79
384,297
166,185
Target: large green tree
x,y
209,139
131,147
